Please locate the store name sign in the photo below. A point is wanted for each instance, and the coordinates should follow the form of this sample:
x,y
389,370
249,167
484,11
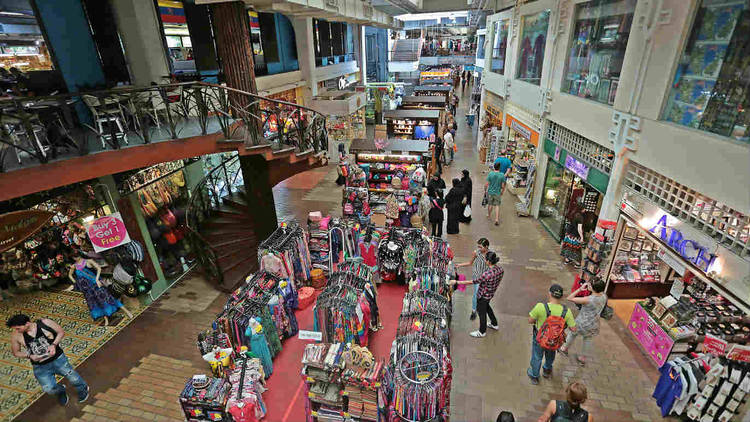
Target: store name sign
x,y
577,167
687,248
15,227
523,131
107,232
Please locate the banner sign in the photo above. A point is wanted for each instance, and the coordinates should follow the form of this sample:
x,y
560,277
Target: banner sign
x,y
107,232
17,226
739,353
577,167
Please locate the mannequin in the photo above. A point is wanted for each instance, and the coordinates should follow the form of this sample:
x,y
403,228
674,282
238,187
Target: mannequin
x,y
100,302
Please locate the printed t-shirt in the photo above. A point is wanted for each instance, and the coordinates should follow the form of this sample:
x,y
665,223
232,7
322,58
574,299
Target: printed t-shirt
x,y
540,314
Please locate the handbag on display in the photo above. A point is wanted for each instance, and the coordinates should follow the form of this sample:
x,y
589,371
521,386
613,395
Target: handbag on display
x,y
121,276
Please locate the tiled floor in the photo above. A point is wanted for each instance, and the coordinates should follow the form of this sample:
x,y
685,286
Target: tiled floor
x,y
489,374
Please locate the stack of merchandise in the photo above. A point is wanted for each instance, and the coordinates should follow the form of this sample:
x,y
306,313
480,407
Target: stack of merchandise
x,y
285,254
246,401
205,398
356,204
319,243
341,382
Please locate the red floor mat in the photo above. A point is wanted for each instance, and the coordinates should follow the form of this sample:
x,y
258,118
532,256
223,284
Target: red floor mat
x,y
284,398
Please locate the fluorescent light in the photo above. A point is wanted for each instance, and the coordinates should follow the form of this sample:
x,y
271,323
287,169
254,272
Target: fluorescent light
x,y
88,218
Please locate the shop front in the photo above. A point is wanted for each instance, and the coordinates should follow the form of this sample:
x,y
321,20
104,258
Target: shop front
x,y
346,117
436,90
412,124
426,102
493,109
571,186
521,146
691,290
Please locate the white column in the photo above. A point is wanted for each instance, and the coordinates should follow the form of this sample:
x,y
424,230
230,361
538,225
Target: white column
x,y
303,31
142,40
362,54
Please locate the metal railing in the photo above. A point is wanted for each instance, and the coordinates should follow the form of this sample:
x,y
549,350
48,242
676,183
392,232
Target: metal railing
x,y
331,60
37,130
207,195
444,52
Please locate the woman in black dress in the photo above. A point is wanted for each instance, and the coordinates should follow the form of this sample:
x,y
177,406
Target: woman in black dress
x,y
466,185
454,204
435,214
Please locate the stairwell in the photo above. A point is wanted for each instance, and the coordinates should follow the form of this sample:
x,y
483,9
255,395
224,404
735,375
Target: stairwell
x,y
407,50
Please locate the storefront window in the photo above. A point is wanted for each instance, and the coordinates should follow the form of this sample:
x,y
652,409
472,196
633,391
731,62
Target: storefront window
x,y
566,195
499,47
22,46
533,40
598,48
554,199
177,36
711,89
480,46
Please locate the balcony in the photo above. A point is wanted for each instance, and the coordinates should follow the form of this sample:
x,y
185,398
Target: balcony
x,y
58,140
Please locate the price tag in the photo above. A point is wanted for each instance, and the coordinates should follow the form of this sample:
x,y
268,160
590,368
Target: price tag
x,y
314,413
310,335
311,395
309,379
739,353
377,384
346,415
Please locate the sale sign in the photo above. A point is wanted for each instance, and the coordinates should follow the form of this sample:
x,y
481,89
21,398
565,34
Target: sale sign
x,y
739,353
107,232
714,345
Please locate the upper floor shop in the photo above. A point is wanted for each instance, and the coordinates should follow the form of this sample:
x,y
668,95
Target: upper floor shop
x,y
668,80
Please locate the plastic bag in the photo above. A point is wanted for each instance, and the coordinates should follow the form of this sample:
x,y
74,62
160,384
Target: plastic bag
x,y
467,211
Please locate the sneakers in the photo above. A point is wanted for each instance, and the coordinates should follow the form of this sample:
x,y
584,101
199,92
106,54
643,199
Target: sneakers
x,y
86,397
546,373
473,315
534,380
494,327
477,334
62,398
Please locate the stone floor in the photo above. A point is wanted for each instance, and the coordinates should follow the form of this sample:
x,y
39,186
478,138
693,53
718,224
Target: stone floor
x,y
158,349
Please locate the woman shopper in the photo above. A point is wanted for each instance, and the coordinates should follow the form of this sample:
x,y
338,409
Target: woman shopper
x,y
467,186
436,212
454,204
478,267
570,409
488,282
587,321
573,240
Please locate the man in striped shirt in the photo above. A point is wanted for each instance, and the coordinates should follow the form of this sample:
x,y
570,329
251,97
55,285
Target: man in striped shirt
x,y
478,266
488,283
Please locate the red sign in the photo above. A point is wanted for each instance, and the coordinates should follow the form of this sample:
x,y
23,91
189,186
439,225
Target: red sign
x,y
739,353
17,226
107,232
714,345
606,224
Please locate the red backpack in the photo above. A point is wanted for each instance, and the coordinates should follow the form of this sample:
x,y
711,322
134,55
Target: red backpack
x,y
551,335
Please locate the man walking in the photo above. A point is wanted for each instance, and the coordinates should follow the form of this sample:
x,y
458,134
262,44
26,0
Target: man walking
x,y
504,162
41,339
495,188
549,320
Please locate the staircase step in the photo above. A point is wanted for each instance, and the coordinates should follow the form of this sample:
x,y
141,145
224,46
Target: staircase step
x,y
237,201
245,260
221,247
228,211
221,222
220,236
238,274
230,255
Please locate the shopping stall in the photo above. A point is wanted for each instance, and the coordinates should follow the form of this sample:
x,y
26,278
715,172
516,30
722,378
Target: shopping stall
x,y
436,90
424,102
692,300
382,96
436,81
412,124
346,116
571,185
444,74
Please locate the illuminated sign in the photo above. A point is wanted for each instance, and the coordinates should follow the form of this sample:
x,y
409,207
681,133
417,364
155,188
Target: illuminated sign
x,y
578,167
687,248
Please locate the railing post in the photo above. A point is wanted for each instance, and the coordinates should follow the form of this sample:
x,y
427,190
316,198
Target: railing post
x,y
226,178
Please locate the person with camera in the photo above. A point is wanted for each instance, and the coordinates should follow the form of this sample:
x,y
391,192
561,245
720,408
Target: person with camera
x,y
587,321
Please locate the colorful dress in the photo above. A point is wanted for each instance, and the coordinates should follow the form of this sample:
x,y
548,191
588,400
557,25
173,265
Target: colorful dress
x,y
101,303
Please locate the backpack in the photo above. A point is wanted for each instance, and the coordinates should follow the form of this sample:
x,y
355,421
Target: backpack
x,y
552,333
565,413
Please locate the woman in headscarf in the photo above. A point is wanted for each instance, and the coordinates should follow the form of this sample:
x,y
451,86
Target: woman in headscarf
x,y
466,186
454,204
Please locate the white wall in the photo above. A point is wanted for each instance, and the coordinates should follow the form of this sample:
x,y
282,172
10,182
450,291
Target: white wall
x,y
142,39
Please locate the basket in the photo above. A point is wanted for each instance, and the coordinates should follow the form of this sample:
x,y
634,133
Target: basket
x,y
306,296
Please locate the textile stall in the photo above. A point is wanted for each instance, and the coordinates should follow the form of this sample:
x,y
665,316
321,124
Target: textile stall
x,y
285,254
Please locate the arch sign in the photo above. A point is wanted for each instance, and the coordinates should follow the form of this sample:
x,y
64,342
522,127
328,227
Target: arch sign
x,y
107,232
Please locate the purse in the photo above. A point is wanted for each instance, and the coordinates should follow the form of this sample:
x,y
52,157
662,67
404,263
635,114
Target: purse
x,y
607,312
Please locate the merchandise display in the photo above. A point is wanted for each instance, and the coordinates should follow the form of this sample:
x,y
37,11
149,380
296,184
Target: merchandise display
x,y
285,254
412,123
435,90
346,128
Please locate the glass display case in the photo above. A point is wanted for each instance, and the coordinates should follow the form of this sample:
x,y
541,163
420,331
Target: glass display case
x,y
533,41
710,88
597,50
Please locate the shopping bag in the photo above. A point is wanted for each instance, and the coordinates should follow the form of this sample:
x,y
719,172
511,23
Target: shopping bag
x,y
467,211
485,200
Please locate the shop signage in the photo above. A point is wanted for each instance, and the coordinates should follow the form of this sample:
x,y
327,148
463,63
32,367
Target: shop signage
x,y
17,226
310,335
523,131
557,153
687,248
670,260
739,353
714,345
577,167
107,232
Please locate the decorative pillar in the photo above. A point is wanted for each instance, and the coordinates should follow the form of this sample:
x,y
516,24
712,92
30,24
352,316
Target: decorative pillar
x,y
232,31
259,194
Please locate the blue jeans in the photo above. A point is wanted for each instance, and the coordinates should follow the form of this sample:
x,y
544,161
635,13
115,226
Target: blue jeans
x,y
474,298
45,374
536,358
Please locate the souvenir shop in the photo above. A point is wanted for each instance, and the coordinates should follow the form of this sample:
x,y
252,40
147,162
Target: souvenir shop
x,y
432,74
424,102
493,109
690,313
346,117
386,186
412,124
572,189
382,96
435,90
